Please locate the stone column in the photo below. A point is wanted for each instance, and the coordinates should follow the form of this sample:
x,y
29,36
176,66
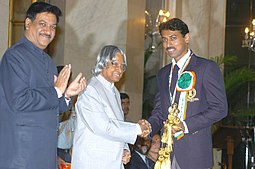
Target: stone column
x,y
133,84
4,13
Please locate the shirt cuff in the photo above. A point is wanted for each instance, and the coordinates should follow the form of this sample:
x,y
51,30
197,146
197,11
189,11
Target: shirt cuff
x,y
185,127
59,93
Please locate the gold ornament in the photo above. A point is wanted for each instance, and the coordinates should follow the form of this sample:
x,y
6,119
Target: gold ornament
x,y
164,161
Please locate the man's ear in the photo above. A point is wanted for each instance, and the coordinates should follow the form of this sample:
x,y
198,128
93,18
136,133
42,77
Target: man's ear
x,y
187,38
27,23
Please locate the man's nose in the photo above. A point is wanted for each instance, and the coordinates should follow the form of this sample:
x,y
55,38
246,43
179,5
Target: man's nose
x,y
48,30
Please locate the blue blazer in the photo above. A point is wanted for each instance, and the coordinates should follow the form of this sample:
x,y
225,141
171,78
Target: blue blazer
x,y
136,162
194,150
29,108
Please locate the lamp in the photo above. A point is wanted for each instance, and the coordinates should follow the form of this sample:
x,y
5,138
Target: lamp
x,y
163,16
249,42
152,27
249,37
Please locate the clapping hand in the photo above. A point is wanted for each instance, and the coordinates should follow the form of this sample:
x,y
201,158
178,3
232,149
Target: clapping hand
x,y
61,81
76,86
145,127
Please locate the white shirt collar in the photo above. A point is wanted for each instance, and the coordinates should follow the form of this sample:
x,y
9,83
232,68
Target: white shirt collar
x,y
105,82
141,155
182,61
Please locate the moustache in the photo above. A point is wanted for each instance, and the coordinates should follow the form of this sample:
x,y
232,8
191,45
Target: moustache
x,y
46,35
170,48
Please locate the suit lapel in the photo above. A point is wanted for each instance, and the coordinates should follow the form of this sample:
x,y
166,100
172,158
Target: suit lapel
x,y
118,108
163,87
110,97
165,82
192,63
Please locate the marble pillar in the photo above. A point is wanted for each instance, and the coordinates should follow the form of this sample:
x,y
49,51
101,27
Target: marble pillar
x,y
4,13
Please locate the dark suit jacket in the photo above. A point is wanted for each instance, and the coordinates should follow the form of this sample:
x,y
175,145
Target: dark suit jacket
x,y
29,108
194,150
136,162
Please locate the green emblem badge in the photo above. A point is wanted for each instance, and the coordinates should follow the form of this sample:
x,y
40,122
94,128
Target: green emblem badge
x,y
186,81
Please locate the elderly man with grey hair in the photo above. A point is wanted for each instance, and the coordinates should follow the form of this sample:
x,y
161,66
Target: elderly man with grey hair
x,y
101,137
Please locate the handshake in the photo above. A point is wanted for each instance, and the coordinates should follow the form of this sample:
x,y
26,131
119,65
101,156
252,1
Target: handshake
x,y
145,127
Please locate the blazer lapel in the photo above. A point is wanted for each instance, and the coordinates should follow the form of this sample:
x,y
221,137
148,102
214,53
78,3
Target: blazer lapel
x,y
163,87
118,109
165,82
192,63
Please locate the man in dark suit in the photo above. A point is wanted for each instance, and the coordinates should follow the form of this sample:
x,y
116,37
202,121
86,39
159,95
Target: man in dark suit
x,y
200,96
138,158
125,103
32,94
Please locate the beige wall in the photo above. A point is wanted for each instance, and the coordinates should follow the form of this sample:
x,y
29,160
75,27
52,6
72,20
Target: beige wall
x,y
206,20
56,46
88,27
4,13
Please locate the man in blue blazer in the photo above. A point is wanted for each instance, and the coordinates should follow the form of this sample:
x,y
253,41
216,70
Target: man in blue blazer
x,y
32,95
199,94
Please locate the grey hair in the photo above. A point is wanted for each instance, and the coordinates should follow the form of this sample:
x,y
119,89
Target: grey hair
x,y
107,54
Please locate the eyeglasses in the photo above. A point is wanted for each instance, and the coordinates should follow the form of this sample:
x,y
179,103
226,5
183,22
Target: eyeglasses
x,y
121,66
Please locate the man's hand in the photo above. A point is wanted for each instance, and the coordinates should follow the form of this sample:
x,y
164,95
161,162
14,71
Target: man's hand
x,y
126,156
62,80
76,86
145,126
178,127
60,161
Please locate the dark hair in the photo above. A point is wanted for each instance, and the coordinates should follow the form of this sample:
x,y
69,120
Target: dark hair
x,y
174,24
40,7
140,141
124,96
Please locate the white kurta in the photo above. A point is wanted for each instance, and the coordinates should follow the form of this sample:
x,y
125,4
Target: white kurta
x,y
101,134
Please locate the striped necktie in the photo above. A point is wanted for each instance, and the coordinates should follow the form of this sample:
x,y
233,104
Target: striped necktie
x,y
174,79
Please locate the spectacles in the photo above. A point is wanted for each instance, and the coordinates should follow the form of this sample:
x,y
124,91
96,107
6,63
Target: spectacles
x,y
121,66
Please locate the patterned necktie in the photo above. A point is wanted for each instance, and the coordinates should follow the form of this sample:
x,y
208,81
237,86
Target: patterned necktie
x,y
174,79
